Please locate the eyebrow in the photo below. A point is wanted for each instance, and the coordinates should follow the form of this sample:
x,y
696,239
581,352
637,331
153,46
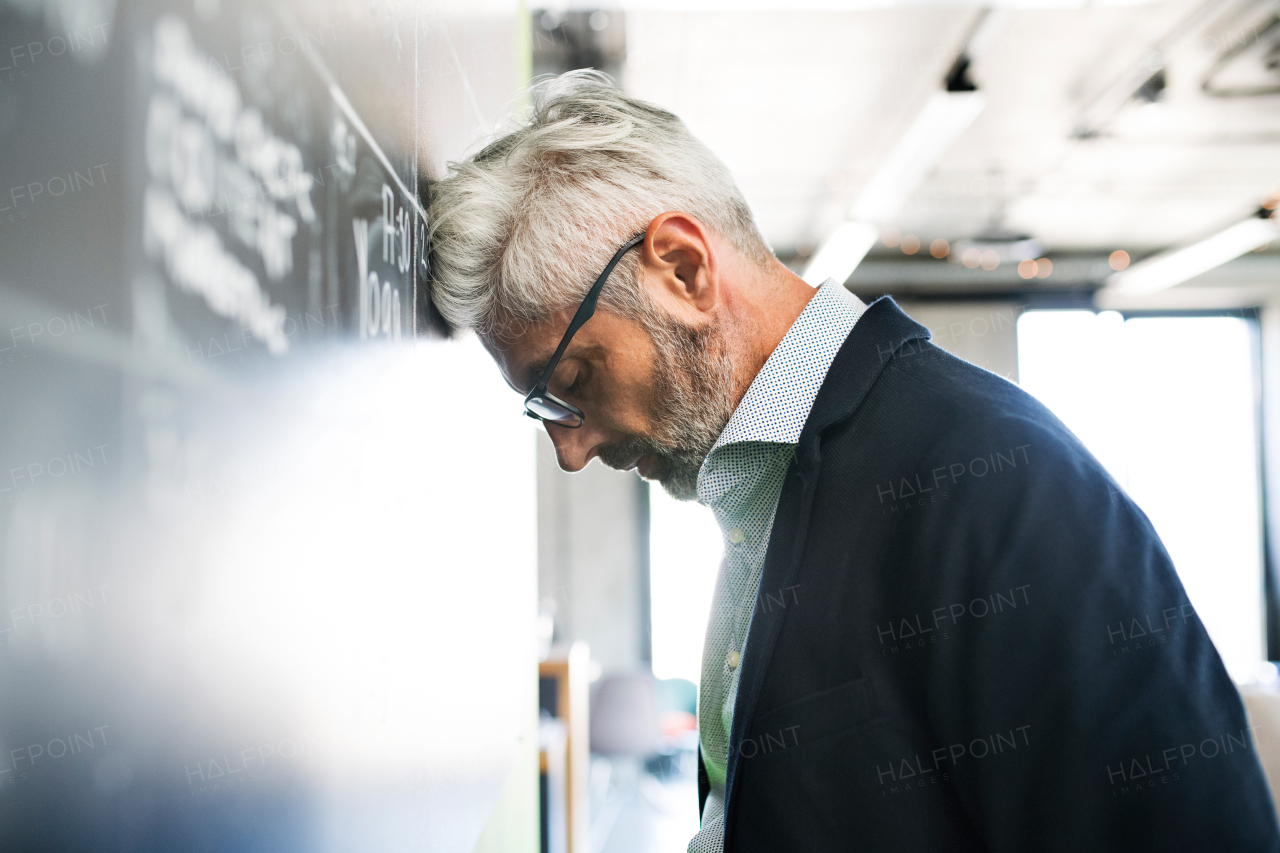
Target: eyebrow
x,y
576,349
533,371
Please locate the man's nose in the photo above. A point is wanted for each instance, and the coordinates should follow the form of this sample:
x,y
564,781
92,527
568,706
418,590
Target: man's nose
x,y
574,447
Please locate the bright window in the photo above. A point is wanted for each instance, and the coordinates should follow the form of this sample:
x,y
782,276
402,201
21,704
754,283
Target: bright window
x,y
684,557
1168,405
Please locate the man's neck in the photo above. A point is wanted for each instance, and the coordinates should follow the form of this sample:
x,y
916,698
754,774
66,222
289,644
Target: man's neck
x,y
775,302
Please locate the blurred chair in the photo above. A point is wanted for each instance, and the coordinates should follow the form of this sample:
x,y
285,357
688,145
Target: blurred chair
x,y
677,694
677,703
643,773
625,720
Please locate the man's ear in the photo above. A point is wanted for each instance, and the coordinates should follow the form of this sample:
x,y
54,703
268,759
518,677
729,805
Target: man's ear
x,y
680,258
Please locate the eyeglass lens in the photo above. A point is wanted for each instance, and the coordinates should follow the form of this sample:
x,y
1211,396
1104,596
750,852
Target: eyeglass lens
x,y
550,410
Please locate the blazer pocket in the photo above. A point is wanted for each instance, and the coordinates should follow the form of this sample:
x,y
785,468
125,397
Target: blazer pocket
x,y
818,715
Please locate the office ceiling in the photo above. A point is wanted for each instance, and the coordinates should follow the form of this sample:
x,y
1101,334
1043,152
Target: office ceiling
x,y
803,105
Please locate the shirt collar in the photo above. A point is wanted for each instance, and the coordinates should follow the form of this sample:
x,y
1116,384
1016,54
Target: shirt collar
x,y
777,404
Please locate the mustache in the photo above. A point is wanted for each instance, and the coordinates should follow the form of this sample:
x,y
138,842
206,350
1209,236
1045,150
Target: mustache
x,y
691,402
678,472
622,455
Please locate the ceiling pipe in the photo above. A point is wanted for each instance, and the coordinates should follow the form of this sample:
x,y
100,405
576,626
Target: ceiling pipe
x,y
1098,112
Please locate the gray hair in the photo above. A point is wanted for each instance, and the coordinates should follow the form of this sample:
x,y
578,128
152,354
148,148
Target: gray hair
x,y
521,229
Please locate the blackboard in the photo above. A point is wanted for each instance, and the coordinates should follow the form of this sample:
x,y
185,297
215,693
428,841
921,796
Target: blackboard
x,y
261,587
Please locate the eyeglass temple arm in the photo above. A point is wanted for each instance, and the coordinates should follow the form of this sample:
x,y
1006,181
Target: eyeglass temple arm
x,y
586,310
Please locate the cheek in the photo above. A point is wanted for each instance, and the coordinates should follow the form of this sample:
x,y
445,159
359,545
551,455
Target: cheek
x,y
622,382
627,398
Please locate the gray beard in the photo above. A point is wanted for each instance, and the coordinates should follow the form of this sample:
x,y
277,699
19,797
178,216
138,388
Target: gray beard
x,y
693,391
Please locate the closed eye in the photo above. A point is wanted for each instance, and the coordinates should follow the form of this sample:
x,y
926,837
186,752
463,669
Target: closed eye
x,y
580,378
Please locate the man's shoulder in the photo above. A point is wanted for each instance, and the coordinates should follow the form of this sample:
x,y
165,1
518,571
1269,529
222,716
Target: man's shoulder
x,y
889,358
924,409
886,371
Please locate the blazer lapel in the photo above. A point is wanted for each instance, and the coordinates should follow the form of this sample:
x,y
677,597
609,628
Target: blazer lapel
x,y
879,334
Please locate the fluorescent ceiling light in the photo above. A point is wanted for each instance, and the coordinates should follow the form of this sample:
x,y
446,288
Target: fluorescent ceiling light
x,y
943,119
841,253
1176,266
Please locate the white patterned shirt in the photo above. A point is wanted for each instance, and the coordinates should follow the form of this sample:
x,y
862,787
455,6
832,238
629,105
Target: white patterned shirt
x,y
741,481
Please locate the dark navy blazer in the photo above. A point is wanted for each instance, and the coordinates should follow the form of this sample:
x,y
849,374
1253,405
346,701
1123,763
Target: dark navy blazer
x,y
969,638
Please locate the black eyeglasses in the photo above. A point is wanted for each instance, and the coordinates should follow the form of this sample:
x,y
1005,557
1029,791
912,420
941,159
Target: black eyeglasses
x,y
540,403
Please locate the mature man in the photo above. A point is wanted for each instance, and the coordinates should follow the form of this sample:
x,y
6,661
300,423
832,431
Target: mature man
x,y
939,624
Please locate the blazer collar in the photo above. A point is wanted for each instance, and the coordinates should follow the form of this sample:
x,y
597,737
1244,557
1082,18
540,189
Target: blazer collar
x,y
881,332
